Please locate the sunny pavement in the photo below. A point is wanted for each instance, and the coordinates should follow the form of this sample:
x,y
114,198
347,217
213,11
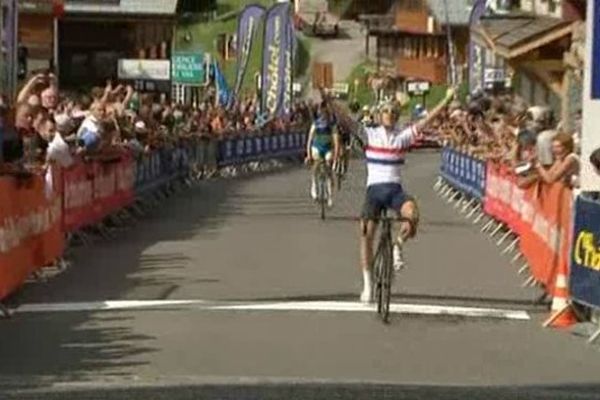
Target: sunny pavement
x,y
259,239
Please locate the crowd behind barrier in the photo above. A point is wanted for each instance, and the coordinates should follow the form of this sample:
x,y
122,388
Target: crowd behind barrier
x,y
557,235
37,215
69,160
517,169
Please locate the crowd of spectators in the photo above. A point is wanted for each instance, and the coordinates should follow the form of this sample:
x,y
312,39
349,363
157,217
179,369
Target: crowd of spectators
x,y
47,125
528,139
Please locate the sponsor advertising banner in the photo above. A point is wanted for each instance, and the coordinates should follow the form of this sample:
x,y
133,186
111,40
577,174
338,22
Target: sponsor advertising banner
x,y
274,59
247,24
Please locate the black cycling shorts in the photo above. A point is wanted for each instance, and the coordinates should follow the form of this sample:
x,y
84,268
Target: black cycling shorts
x,y
383,196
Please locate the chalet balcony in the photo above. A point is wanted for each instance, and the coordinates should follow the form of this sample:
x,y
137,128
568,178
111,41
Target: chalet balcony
x,y
430,69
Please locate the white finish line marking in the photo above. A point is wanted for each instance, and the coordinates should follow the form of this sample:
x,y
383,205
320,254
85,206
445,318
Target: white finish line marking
x,y
325,306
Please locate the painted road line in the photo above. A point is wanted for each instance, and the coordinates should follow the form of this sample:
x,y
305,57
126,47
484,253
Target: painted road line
x,y
397,308
323,306
109,305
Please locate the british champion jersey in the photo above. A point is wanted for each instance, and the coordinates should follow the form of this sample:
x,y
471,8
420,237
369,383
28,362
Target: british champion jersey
x,y
385,153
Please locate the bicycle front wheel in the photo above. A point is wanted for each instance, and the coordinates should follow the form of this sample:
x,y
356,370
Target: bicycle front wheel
x,y
386,287
323,195
383,275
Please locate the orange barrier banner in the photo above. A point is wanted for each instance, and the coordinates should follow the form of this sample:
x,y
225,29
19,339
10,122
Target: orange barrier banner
x,y
545,236
540,215
30,230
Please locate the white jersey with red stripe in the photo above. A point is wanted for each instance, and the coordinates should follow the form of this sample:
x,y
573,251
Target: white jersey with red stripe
x,y
385,153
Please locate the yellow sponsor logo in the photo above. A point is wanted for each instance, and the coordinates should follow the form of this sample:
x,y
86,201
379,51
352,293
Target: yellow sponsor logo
x,y
586,252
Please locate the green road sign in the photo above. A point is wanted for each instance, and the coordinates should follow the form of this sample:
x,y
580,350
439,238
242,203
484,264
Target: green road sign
x,y
187,68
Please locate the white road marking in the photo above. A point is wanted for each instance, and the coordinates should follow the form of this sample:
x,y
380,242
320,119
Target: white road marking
x,y
103,305
325,306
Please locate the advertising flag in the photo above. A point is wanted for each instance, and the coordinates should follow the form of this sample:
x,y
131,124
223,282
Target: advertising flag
x,y
223,92
274,59
247,24
476,56
290,50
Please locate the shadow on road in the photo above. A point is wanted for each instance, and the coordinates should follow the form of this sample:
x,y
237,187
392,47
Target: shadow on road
x,y
301,391
472,301
135,265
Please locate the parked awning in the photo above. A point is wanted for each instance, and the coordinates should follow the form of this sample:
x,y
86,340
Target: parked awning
x,y
123,7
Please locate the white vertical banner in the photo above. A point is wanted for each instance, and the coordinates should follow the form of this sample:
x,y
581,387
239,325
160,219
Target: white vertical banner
x,y
590,140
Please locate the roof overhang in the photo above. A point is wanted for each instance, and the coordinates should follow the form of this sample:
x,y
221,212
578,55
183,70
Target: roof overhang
x,y
514,37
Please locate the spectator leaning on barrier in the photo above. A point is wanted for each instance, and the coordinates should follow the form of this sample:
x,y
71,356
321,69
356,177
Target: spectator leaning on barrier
x,y
565,167
89,131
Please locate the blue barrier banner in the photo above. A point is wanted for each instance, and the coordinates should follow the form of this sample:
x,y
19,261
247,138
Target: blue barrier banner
x,y
463,172
585,253
258,145
250,148
241,150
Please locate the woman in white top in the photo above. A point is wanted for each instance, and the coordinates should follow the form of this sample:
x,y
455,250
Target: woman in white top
x,y
566,162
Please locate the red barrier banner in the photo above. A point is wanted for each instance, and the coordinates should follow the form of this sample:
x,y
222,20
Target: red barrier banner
x,y
93,191
516,205
492,188
78,189
113,186
30,230
498,193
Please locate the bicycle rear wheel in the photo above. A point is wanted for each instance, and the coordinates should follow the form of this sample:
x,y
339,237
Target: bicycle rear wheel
x,y
322,194
377,279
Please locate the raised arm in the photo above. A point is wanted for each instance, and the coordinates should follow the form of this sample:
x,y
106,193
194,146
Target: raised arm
x,y
311,136
29,87
128,95
436,110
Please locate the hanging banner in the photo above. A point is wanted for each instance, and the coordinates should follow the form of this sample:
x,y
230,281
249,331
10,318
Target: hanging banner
x,y
274,60
138,69
476,53
247,25
223,92
590,140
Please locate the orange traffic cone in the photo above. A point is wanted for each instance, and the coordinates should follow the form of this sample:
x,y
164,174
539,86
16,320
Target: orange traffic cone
x,y
562,315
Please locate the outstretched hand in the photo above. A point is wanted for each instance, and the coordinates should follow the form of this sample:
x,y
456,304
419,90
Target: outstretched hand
x,y
451,93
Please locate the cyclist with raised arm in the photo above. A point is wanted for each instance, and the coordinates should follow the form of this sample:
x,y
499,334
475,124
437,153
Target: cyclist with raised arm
x,y
384,150
323,145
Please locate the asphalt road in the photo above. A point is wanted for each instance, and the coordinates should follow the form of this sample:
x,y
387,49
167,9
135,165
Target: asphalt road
x,y
255,298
